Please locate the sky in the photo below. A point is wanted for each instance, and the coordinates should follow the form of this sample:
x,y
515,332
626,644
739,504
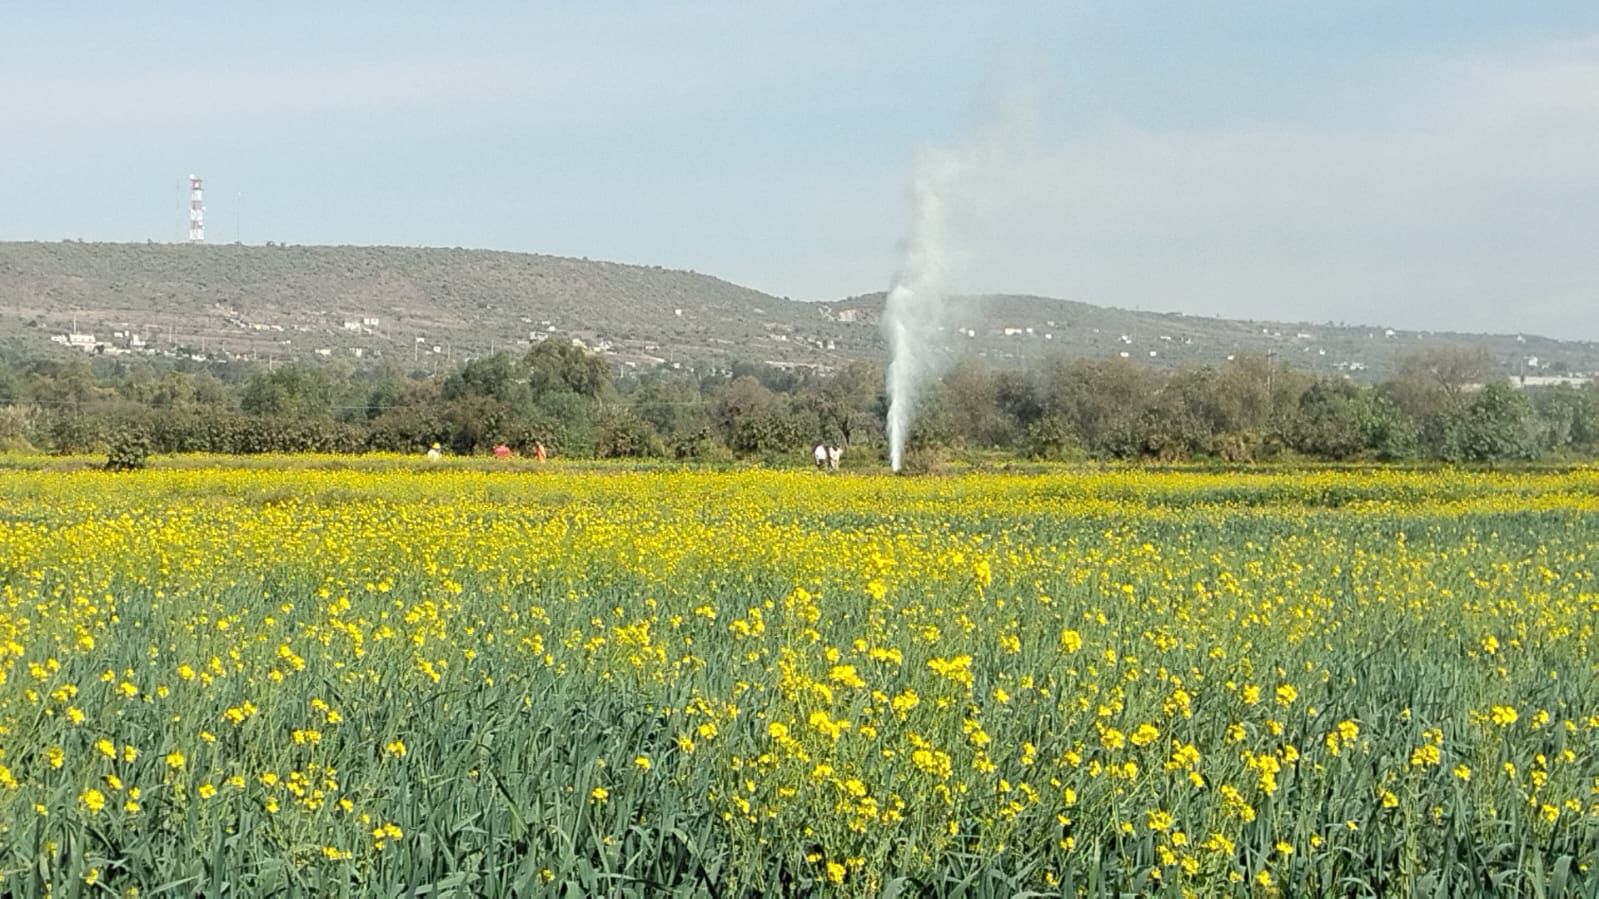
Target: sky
x,y
1428,165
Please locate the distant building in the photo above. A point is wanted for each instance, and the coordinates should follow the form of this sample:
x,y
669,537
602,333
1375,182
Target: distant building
x,y
1549,380
77,340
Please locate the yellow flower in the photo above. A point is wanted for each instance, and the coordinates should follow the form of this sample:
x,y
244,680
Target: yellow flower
x,y
1502,715
1463,772
836,871
175,760
642,762
956,668
904,701
92,799
599,794
1144,735
824,723
395,748
846,675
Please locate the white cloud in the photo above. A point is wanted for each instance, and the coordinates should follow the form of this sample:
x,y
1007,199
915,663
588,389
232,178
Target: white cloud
x,y
1449,190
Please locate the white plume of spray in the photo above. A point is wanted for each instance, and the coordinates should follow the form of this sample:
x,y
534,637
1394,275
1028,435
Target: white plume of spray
x,y
915,302
948,185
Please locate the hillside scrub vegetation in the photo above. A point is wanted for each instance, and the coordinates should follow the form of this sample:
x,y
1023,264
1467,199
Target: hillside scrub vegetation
x,y
431,307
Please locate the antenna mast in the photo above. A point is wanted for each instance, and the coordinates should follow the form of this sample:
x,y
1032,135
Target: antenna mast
x,y
196,210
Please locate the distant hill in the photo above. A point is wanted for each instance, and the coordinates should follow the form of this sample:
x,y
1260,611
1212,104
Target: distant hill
x,y
435,306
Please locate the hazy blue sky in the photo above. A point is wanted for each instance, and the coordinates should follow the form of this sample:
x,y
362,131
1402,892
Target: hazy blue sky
x,y
1419,164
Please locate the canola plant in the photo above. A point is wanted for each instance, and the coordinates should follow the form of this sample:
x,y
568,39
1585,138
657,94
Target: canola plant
x,y
699,683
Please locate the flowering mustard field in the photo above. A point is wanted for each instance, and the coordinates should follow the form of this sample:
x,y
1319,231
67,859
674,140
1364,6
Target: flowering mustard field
x,y
496,683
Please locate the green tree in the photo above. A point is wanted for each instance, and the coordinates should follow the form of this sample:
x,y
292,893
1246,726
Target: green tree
x,y
1495,425
671,403
1331,420
497,376
619,434
1102,399
292,391
557,366
971,394
743,398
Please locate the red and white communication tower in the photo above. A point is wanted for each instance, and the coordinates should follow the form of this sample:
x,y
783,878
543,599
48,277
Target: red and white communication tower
x,y
196,210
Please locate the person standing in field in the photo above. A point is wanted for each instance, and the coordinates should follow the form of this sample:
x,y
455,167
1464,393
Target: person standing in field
x,y
819,453
538,450
434,453
834,454
501,451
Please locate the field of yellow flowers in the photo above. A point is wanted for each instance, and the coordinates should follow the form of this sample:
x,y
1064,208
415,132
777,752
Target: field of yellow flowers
x,y
305,681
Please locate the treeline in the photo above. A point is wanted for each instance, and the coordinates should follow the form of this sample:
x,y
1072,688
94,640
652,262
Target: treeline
x,y
1444,404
